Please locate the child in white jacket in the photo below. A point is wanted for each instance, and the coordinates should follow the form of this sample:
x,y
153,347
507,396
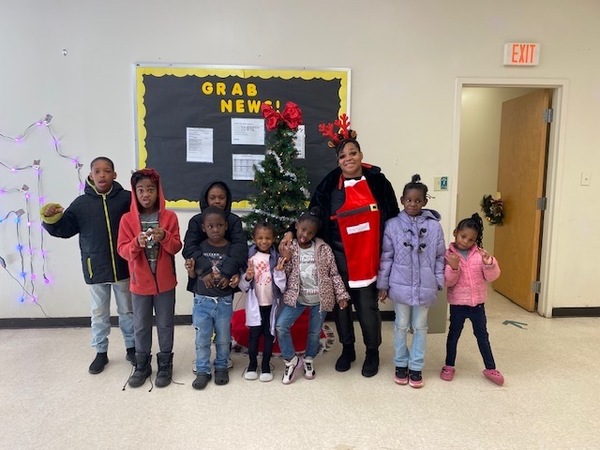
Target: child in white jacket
x,y
469,267
264,281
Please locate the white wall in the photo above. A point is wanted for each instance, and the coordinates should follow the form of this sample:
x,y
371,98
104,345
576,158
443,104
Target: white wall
x,y
405,58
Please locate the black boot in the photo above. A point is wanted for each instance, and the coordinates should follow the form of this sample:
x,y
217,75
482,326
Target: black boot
x,y
98,363
371,365
165,369
347,357
143,369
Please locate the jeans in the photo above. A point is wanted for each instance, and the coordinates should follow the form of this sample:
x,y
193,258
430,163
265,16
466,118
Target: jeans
x,y
458,315
164,306
414,317
286,319
212,315
100,312
367,311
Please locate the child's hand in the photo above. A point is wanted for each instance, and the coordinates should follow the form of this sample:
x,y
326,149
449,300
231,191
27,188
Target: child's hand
x,y
190,266
485,256
343,303
452,260
286,242
280,263
209,280
221,282
142,239
250,270
158,234
382,295
234,281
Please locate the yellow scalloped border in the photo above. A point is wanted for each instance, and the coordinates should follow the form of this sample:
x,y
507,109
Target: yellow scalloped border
x,y
223,72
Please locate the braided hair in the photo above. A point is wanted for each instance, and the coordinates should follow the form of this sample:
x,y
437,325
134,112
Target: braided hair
x,y
475,223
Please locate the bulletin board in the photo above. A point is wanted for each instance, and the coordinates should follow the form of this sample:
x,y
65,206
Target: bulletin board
x,y
196,124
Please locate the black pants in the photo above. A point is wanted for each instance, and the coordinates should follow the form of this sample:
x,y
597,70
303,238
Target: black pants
x,y
367,311
458,315
264,329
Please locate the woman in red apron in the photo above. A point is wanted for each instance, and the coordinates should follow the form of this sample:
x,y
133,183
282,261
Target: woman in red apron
x,y
356,199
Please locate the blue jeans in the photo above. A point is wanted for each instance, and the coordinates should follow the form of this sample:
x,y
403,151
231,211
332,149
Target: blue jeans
x,y
212,315
407,317
286,319
100,296
458,315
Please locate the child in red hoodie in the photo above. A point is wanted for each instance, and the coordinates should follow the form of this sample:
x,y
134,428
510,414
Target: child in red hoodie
x,y
149,239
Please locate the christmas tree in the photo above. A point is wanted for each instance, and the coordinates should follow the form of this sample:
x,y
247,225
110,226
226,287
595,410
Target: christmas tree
x,y
281,187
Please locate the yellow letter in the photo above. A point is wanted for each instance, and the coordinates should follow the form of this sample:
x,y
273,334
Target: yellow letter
x,y
226,105
221,89
207,88
251,90
236,89
239,106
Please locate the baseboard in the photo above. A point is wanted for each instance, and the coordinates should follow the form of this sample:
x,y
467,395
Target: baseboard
x,y
83,322
593,311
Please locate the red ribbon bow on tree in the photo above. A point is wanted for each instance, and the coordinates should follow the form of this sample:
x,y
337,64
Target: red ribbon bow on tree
x,y
291,116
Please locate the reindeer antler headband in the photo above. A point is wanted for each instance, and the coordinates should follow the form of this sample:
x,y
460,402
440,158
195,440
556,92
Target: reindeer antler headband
x,y
343,134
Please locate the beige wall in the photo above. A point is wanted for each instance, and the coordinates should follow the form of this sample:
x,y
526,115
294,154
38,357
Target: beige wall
x,y
405,56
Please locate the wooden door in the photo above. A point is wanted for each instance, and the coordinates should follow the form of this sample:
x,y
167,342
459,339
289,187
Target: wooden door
x,y
521,182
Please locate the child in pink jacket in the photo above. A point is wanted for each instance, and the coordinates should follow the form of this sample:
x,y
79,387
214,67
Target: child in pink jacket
x,y
469,267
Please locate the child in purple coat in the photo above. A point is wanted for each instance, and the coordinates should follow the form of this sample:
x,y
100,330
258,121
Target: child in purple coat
x,y
411,271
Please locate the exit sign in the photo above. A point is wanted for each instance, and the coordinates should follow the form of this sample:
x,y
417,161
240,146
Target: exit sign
x,y
521,54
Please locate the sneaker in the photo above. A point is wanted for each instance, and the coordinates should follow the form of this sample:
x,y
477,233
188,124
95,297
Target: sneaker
x,y
494,376
221,377
98,363
201,381
401,376
229,363
130,355
447,373
250,374
415,379
309,369
265,377
290,370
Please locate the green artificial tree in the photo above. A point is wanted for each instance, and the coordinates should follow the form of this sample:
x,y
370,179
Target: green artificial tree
x,y
281,187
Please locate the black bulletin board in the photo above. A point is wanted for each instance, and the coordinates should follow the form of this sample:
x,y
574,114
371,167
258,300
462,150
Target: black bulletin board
x,y
169,99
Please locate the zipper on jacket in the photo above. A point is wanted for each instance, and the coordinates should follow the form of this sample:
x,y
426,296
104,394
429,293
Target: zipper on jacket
x,y
110,241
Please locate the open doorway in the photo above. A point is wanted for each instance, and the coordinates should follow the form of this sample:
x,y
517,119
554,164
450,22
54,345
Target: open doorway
x,y
477,144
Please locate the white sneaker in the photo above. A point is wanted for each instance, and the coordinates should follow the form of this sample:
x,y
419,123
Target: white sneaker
x,y
290,370
265,377
229,363
309,369
250,374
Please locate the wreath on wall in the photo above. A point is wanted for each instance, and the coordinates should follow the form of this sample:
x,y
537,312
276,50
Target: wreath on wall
x,y
493,210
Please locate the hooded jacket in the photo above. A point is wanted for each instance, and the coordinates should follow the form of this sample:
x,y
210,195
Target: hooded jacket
x,y
238,251
330,284
278,284
95,217
412,260
468,284
381,189
142,280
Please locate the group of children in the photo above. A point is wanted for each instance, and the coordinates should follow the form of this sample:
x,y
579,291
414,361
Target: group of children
x,y
131,247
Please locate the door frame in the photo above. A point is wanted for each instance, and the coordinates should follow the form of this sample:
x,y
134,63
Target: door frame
x,y
554,170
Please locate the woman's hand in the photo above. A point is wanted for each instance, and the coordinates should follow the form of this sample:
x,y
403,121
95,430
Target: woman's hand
x,y
190,266
382,295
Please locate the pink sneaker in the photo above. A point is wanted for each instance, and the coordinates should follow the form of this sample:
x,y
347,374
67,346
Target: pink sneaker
x,y
494,376
447,373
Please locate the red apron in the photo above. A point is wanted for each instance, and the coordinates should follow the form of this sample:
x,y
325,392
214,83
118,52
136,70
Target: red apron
x,y
358,220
